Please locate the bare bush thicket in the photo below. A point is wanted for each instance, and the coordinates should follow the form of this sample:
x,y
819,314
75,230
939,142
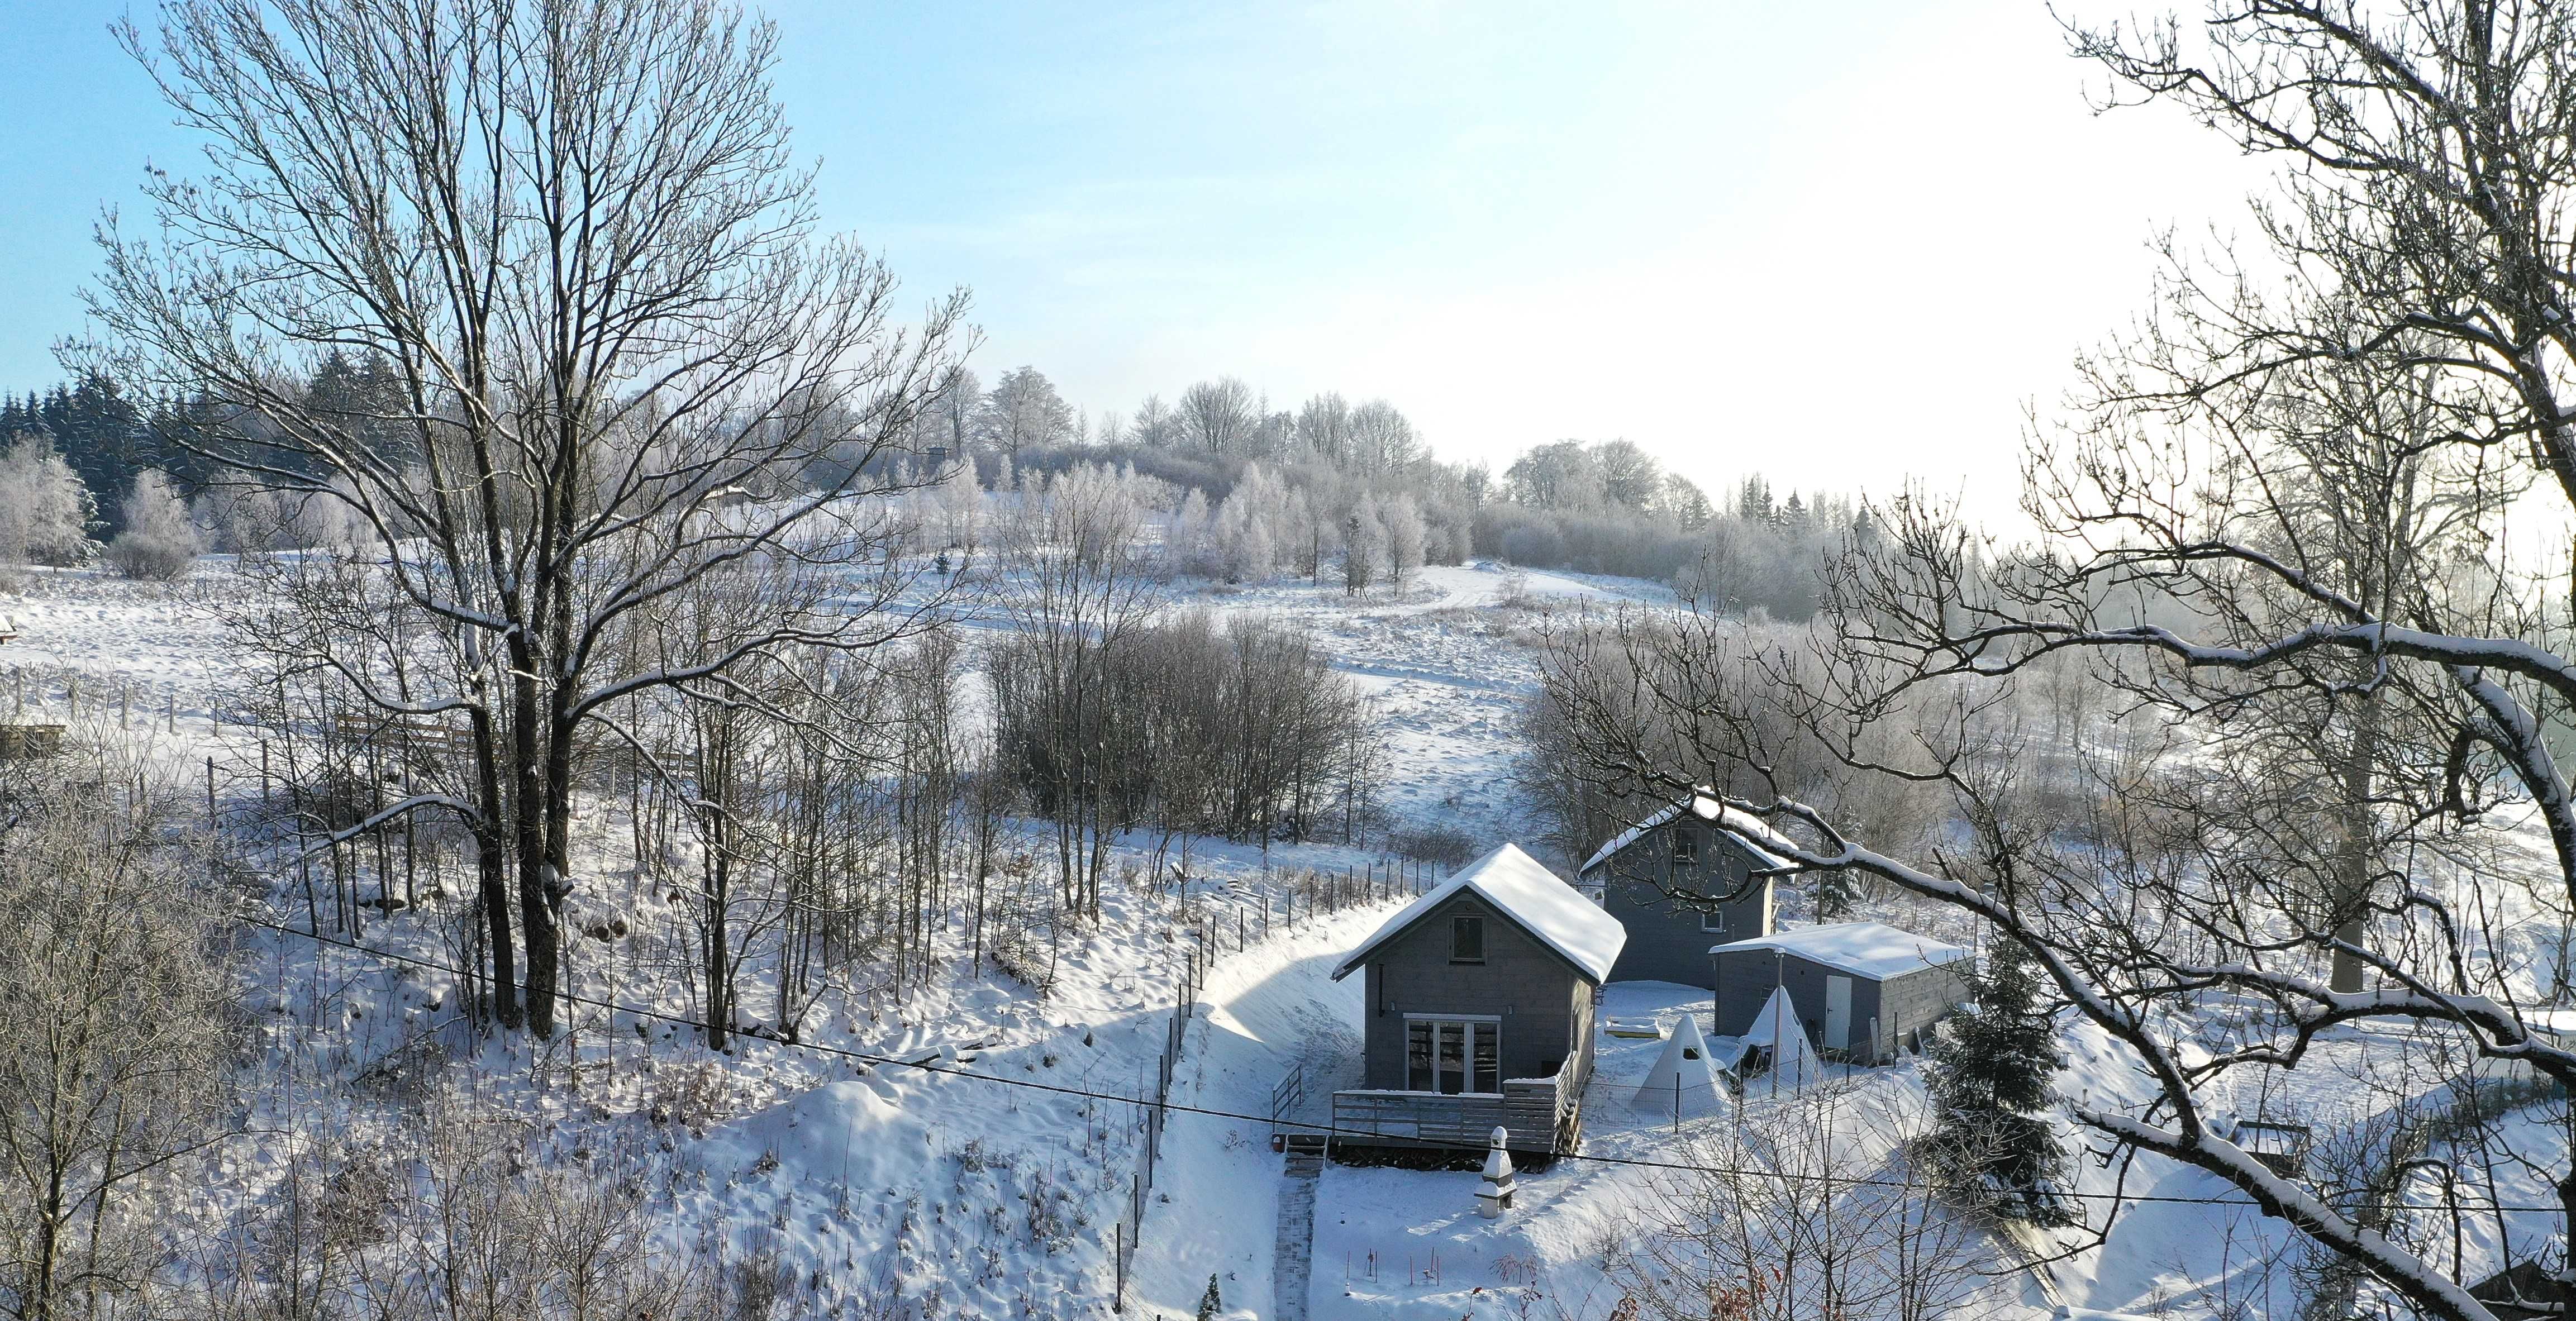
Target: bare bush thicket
x,y
1661,683
116,1032
1803,1211
1239,729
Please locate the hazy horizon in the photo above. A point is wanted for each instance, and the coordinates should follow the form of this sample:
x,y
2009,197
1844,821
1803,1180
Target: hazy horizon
x,y
1839,248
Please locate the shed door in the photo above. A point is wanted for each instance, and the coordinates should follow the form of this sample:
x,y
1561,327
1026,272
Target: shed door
x,y
1837,1013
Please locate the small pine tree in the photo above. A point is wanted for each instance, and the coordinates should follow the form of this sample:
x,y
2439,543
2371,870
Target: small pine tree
x,y
1209,1303
1836,892
1990,1083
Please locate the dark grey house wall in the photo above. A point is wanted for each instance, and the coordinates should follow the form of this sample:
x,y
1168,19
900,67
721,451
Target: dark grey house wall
x,y
1894,1007
1745,979
1545,1008
1665,939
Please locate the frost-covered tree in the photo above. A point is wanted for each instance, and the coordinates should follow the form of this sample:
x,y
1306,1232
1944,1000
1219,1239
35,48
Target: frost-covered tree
x,y
160,539
45,512
1219,416
1557,475
1324,427
1156,425
1405,535
1363,545
1991,1082
1382,440
1244,526
116,1023
957,508
1629,476
1189,545
1025,412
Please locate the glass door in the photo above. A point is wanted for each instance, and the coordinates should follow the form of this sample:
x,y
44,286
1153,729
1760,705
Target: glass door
x,y
1451,1056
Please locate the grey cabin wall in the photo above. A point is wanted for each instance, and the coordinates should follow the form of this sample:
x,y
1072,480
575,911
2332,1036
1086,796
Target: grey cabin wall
x,y
1665,940
1917,1000
1898,1005
1545,1008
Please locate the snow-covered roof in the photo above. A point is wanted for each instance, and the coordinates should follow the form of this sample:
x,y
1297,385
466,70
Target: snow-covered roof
x,y
1521,889
1869,949
1748,830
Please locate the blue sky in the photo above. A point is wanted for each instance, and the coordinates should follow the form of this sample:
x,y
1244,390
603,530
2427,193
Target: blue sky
x,y
1836,243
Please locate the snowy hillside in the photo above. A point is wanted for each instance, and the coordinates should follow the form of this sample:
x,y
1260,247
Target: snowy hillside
x,y
970,1147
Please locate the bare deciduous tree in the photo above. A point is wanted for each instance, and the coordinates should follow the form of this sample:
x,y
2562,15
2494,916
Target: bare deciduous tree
x,y
2279,518
575,233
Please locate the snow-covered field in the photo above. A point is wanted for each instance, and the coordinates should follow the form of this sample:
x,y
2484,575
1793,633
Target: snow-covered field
x,y
961,1195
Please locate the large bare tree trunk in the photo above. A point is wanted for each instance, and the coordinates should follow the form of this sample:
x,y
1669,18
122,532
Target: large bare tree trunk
x,y
624,361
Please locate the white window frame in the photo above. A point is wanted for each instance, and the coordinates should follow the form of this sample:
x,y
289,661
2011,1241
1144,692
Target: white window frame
x,y
1491,1024
1712,921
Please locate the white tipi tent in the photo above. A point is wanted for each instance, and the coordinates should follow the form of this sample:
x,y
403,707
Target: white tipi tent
x,y
1684,1080
1793,1058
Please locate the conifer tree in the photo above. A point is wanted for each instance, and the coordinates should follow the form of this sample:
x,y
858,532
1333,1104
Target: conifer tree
x,y
1990,1082
1209,1303
1836,892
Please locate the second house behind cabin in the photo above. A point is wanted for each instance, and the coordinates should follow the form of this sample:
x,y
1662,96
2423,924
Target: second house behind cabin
x,y
1701,848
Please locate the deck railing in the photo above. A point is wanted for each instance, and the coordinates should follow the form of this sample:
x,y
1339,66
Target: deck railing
x,y
1540,1114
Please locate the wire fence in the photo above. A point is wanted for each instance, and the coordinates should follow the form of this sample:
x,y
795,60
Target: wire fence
x,y
1244,911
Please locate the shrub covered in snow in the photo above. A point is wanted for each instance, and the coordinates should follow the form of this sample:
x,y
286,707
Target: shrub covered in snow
x,y
160,540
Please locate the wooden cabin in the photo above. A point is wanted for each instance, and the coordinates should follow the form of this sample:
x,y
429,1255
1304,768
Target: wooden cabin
x,y
1480,1008
1865,990
1645,875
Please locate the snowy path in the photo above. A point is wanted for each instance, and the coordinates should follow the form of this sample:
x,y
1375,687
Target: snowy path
x,y
1217,1206
1293,1267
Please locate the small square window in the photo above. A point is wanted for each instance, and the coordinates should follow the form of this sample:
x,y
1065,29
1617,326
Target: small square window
x,y
1685,848
1712,919
1466,940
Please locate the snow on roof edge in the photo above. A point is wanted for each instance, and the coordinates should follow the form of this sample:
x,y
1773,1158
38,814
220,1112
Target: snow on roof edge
x,y
1537,900
1748,830
1870,949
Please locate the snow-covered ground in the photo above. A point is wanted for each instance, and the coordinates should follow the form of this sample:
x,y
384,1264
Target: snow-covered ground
x,y
968,1197
1449,661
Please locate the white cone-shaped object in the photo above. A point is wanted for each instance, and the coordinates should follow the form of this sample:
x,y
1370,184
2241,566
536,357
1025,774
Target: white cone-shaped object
x,y
1793,1057
1494,1195
1684,1081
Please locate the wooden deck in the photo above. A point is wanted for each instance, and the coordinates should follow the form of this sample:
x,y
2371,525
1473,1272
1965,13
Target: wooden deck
x,y
1542,1115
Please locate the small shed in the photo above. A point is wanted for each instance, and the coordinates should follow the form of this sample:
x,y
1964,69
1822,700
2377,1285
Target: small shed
x,y
1480,1010
1646,875
1868,988
2527,1291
